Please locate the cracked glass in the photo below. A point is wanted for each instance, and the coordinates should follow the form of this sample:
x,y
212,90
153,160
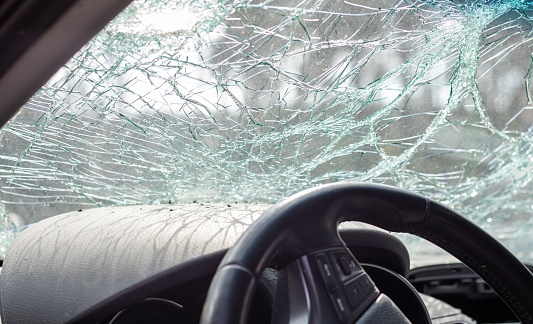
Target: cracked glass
x,y
251,101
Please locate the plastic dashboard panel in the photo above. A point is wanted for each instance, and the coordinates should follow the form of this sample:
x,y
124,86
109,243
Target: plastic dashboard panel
x,y
76,265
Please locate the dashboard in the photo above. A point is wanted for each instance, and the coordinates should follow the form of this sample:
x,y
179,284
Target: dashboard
x,y
138,263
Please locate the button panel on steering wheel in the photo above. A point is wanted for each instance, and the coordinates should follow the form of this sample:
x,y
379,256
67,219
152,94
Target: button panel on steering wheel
x,y
350,289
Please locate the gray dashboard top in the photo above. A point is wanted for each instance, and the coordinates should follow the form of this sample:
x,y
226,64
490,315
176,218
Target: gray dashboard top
x,y
58,268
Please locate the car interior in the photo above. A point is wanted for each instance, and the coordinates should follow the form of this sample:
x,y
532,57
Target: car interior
x,y
334,249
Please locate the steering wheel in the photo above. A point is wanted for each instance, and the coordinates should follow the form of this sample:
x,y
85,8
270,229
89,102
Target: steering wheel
x,y
326,283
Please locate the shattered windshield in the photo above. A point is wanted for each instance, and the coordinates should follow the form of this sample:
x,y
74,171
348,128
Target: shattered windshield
x,y
250,101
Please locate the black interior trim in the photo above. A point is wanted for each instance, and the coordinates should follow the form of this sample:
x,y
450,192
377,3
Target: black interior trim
x,y
22,23
42,36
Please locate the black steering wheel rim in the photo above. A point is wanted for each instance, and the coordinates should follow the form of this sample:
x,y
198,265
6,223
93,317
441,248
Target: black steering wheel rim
x,y
308,221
